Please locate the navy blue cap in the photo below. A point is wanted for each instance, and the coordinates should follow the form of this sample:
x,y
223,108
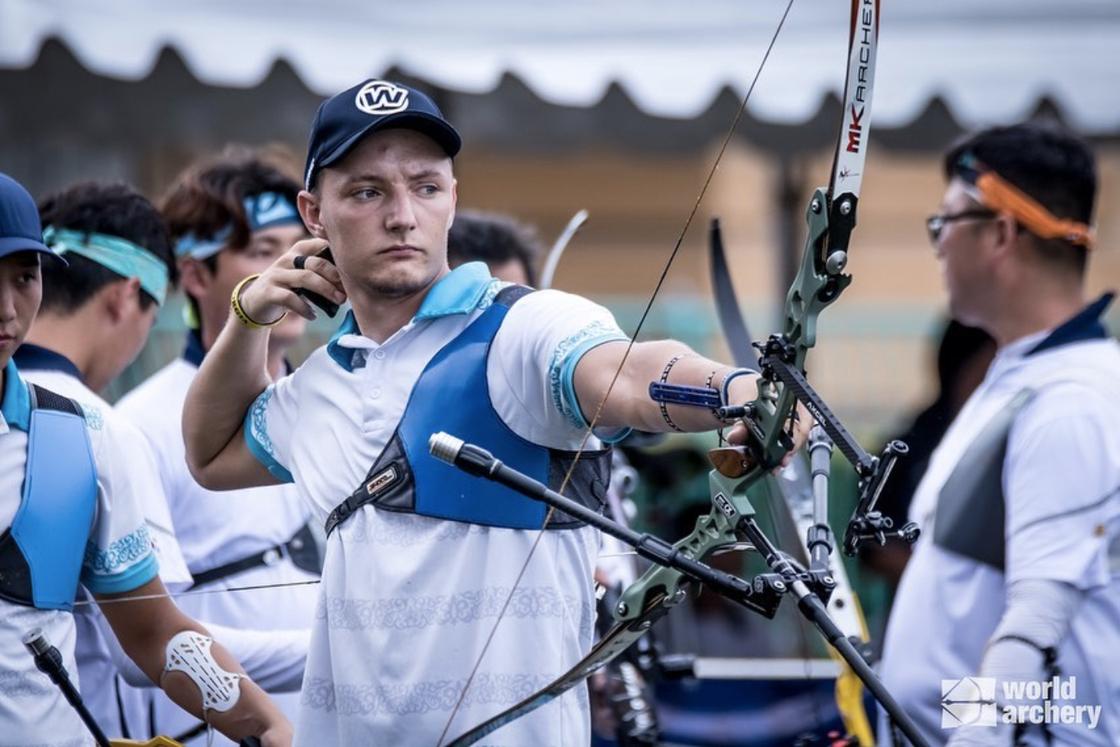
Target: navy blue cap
x,y
20,230
368,107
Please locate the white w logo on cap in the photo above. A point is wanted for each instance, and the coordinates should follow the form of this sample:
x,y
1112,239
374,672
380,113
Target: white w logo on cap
x,y
380,97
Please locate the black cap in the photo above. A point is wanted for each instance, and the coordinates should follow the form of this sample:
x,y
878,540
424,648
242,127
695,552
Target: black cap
x,y
20,230
368,107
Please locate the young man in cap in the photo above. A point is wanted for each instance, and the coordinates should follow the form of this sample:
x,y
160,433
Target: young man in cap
x,y
231,216
71,516
421,559
95,317
1015,576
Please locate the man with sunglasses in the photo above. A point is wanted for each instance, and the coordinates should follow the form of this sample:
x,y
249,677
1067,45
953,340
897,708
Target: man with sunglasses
x,y
1014,579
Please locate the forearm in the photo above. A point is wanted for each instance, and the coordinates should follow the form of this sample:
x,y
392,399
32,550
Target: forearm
x,y
145,621
232,375
252,714
1037,618
629,403
275,659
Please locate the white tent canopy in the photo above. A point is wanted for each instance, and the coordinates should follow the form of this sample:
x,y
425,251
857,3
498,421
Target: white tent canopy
x,y
989,61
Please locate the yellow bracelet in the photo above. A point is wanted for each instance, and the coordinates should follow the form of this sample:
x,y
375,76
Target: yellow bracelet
x,y
235,304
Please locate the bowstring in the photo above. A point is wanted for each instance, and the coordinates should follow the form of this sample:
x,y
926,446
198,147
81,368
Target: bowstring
x,y
622,364
190,593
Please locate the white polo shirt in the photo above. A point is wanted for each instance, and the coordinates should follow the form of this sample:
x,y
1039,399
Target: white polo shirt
x,y
215,528
407,601
118,558
105,693
1061,483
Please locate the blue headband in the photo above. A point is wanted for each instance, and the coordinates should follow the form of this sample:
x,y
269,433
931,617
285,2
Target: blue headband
x,y
113,253
262,211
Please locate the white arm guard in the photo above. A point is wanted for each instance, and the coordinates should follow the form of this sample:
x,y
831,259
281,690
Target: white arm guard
x,y
274,659
189,652
1038,611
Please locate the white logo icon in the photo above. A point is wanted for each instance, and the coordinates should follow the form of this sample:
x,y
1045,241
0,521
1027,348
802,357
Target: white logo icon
x,y
969,701
379,97
270,208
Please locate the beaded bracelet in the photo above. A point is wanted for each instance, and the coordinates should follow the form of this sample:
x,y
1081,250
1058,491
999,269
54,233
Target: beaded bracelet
x,y
662,405
248,321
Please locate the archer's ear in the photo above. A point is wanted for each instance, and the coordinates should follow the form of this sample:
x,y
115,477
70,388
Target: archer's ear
x,y
1008,231
120,297
308,204
454,202
194,277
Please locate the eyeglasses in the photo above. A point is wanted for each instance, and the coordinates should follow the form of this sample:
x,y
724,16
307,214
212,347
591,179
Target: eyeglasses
x,y
935,224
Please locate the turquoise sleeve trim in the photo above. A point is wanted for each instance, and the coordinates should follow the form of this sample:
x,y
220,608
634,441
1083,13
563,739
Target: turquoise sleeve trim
x,y
256,438
568,398
117,583
121,553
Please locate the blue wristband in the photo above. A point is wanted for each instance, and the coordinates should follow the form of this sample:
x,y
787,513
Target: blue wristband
x,y
734,374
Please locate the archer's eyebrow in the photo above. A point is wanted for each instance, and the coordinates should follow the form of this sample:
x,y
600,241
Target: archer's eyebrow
x,y
426,174
377,178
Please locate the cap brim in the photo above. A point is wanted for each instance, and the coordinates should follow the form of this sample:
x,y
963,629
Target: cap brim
x,y
434,127
15,244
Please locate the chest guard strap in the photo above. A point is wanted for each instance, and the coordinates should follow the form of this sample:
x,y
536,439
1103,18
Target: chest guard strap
x,y
971,506
453,395
41,553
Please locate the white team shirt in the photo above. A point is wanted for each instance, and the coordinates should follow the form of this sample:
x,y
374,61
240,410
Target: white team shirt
x,y
407,601
1061,480
119,557
215,528
103,687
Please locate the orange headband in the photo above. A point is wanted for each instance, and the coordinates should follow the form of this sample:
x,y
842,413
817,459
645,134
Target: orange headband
x,y
999,194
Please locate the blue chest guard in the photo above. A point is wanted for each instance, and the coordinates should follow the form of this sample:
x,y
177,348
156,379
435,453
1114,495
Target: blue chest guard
x,y
453,395
41,553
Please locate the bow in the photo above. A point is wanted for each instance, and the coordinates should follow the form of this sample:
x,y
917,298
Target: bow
x,y
795,490
831,216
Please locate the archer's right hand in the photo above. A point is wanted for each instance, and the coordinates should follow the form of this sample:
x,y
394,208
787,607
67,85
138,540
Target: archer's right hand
x,y
273,294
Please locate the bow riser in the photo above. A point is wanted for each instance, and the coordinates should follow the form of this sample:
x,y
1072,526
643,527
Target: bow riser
x,y
713,531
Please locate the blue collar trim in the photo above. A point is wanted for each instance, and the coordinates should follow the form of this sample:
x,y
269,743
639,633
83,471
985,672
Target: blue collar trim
x,y
341,355
194,353
458,292
1086,325
38,358
16,405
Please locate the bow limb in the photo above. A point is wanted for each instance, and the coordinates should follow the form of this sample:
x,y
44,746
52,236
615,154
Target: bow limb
x,y
552,260
842,197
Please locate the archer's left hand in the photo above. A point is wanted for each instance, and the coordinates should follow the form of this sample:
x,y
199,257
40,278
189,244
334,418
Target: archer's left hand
x,y
802,423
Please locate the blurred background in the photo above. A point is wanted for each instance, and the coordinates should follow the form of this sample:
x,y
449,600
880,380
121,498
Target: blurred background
x,y
617,108
614,107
